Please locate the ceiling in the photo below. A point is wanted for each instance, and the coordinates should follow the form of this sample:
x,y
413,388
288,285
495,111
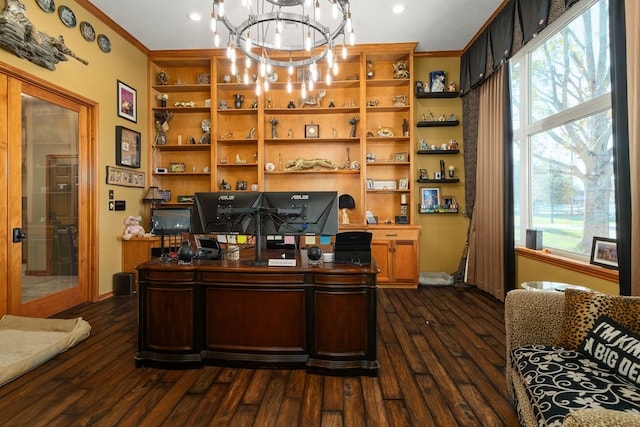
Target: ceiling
x,y
437,25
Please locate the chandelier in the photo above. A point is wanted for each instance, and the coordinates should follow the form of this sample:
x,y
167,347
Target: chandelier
x,y
284,33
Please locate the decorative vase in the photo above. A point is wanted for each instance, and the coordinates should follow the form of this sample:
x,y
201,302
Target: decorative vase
x,y
163,103
238,100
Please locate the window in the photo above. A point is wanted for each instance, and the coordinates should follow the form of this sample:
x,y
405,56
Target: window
x,y
562,137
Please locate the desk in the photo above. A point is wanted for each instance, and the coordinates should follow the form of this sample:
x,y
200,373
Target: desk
x,y
551,286
321,318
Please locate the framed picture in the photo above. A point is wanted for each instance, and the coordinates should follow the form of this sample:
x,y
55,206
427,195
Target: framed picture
x,y
311,131
604,252
448,201
369,184
127,102
403,184
423,174
124,177
430,197
304,74
127,147
177,167
400,157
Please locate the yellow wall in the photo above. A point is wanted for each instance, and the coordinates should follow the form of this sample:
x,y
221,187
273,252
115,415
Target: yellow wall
x,y
443,237
97,81
528,269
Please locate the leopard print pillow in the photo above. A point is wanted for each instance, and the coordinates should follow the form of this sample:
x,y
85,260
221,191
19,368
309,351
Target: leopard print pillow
x,y
582,309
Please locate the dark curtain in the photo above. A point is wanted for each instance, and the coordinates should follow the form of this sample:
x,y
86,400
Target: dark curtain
x,y
478,60
534,16
501,35
621,167
569,3
464,73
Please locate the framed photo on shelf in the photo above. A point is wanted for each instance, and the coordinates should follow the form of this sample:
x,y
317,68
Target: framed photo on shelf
x,y
127,147
125,177
604,252
448,201
369,184
311,131
403,184
400,157
430,197
127,102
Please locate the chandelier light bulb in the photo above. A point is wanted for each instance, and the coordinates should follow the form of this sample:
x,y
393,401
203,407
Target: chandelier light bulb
x,y
335,68
311,86
245,78
344,51
257,87
327,77
307,3
266,85
263,67
229,49
234,71
214,22
247,42
289,85
317,10
216,38
330,58
303,90
245,3
348,26
290,68
334,9
352,38
221,8
278,39
247,62
307,41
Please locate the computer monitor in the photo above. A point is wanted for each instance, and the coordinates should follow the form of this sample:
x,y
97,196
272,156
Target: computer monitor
x,y
170,220
300,213
225,212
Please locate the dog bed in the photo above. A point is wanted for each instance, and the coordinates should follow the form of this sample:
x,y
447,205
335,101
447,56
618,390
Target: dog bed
x,y
26,342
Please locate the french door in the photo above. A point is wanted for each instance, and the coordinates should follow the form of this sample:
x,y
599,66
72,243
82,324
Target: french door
x,y
47,193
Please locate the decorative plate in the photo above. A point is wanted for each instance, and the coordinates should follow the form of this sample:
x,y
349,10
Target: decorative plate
x,y
48,6
87,31
104,43
272,77
67,16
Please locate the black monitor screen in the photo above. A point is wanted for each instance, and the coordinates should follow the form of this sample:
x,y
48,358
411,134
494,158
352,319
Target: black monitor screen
x,y
300,212
225,212
170,219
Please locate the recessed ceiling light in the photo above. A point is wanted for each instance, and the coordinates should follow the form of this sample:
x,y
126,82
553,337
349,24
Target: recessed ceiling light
x,y
398,8
194,16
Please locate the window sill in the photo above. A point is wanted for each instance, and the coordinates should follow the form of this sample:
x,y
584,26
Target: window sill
x,y
568,263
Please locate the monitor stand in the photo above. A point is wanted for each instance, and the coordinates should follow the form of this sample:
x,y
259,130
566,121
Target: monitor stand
x,y
259,243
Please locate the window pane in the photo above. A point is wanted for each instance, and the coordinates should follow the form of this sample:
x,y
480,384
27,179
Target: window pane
x,y
516,189
515,95
572,66
572,183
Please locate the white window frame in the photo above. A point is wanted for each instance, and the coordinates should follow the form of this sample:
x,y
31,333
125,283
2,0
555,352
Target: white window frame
x,y
527,129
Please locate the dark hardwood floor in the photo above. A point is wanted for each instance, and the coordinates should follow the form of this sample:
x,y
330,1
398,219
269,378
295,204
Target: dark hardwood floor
x,y
441,351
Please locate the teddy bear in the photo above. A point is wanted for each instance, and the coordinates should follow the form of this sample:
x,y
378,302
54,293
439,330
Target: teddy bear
x,y
132,227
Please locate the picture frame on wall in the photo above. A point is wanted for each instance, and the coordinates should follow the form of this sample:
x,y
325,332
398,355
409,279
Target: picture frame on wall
x,y
127,102
125,177
127,147
430,197
604,252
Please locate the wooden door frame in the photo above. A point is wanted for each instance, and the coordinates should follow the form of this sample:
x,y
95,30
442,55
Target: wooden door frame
x,y
16,83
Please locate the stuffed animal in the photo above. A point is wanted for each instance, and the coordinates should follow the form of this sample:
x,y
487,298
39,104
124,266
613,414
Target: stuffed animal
x,y
132,227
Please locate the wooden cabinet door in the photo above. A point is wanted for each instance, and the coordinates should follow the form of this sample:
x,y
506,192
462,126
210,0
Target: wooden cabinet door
x,y
381,252
405,260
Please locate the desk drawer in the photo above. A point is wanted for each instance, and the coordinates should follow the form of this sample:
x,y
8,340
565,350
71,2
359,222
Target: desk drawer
x,y
167,276
395,234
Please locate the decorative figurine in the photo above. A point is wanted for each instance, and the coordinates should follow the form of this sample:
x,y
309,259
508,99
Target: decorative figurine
x,y
163,78
205,125
132,227
370,71
226,78
163,99
222,105
290,133
400,70
238,100
334,132
345,203
385,131
239,161
405,127
274,123
331,104
252,133
452,86
353,121
312,99
224,185
291,104
399,100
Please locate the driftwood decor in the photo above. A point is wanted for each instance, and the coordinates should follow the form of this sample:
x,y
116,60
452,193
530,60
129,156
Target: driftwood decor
x,y
19,36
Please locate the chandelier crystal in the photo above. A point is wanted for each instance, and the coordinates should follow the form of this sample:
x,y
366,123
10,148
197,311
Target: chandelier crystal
x,y
285,33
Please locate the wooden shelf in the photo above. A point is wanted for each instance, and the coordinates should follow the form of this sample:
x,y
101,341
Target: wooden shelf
x,y
439,181
182,88
436,95
314,171
310,140
311,110
438,151
183,109
183,147
437,123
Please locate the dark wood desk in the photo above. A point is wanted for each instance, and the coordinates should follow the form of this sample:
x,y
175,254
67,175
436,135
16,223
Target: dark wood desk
x,y
322,318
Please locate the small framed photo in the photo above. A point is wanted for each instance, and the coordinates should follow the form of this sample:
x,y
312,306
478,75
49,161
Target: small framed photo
x,y
403,184
124,177
423,174
304,74
311,131
400,157
448,201
369,184
127,102
604,252
430,197
127,147
177,167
